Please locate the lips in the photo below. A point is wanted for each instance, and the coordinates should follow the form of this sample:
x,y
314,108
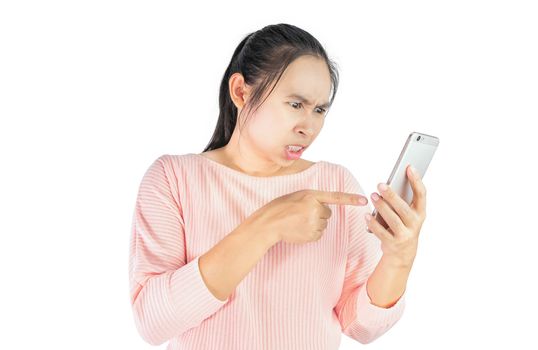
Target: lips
x,y
293,155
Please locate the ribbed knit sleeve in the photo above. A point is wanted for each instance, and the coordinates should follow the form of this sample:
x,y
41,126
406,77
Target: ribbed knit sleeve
x,y
359,318
168,294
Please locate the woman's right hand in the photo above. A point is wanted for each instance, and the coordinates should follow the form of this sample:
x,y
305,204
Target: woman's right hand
x,y
301,216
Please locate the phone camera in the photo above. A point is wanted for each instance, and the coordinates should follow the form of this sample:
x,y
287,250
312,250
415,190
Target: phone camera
x,y
418,138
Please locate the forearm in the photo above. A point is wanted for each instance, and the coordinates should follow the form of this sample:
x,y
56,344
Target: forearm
x,y
225,265
388,282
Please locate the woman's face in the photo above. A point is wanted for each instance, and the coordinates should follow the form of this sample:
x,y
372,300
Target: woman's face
x,y
284,118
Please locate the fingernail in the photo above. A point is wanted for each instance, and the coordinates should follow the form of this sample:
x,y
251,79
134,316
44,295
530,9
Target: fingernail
x,y
367,217
382,187
360,200
413,171
375,197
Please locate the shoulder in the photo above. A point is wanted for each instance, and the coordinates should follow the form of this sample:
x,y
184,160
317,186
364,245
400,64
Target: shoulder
x,y
336,168
175,160
171,166
345,176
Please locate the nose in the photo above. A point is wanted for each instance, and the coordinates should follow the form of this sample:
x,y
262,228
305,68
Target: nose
x,y
306,132
306,127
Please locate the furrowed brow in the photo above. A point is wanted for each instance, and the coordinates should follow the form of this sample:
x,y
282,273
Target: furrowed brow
x,y
303,99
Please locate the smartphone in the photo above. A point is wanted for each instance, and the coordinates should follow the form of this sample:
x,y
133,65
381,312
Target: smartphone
x,y
417,151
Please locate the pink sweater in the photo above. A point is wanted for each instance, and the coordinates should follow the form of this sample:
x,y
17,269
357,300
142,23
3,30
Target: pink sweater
x,y
298,296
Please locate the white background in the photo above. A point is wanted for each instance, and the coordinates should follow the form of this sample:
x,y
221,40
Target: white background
x,y
91,93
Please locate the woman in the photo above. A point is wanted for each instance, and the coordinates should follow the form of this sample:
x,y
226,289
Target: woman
x,y
248,246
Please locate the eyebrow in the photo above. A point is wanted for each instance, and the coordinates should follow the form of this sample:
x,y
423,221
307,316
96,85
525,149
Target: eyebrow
x,y
304,99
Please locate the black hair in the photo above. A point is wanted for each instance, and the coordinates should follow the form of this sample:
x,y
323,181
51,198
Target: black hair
x,y
262,57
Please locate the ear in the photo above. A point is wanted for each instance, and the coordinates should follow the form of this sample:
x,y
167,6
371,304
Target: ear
x,y
239,90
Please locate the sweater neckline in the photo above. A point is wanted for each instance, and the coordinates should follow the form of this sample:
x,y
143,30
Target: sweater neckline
x,y
247,176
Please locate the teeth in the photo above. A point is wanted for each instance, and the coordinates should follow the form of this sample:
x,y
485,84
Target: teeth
x,y
295,148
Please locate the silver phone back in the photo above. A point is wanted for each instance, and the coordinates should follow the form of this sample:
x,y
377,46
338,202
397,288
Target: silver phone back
x,y
417,151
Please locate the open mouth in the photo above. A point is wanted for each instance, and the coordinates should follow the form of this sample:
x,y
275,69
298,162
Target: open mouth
x,y
294,148
294,151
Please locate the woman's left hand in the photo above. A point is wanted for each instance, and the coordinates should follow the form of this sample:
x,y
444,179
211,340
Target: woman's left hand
x,y
399,241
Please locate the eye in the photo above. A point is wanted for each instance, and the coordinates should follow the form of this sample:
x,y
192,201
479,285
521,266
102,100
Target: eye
x,y
295,103
323,110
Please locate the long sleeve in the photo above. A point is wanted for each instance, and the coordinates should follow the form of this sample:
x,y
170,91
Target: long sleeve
x,y
168,294
359,318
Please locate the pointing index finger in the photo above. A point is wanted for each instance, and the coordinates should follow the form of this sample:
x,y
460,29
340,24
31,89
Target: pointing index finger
x,y
338,197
